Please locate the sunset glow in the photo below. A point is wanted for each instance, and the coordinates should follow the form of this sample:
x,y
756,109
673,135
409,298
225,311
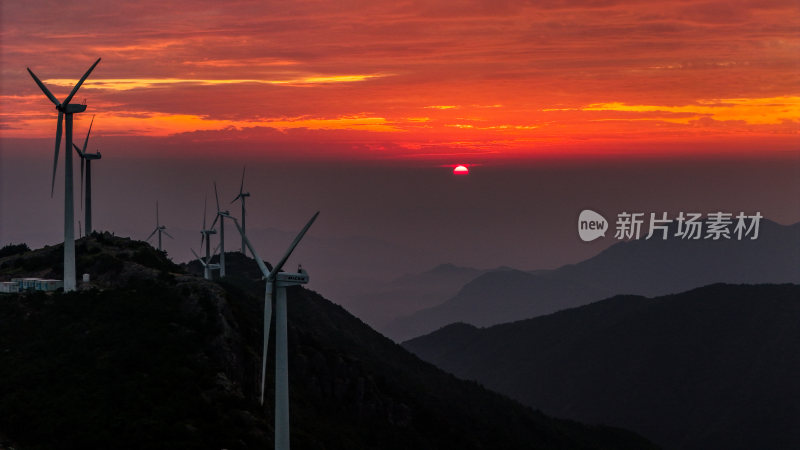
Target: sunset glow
x,y
426,80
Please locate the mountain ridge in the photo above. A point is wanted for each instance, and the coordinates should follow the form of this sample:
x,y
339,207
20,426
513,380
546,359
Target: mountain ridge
x,y
639,267
710,368
149,356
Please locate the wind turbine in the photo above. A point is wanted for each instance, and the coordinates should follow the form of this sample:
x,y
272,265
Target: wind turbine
x,y
159,229
208,267
205,238
221,215
278,281
242,195
66,109
86,159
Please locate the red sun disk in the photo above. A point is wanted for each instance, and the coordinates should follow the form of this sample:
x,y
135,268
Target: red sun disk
x,y
461,170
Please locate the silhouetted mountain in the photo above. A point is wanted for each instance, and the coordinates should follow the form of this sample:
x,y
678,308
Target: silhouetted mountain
x,y
496,297
712,368
658,267
641,267
380,303
148,356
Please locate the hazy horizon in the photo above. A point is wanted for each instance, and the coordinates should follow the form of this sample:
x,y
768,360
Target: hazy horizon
x,y
360,111
382,221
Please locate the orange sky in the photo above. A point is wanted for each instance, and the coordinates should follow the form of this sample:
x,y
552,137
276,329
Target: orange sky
x,y
431,80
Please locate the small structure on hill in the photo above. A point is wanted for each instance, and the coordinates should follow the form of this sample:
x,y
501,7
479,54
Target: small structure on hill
x,y
30,284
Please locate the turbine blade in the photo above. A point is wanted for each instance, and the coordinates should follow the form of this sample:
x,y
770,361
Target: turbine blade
x,y
216,218
259,261
86,142
168,235
80,82
302,233
55,158
198,258
241,187
236,198
216,197
205,207
78,150
152,234
44,88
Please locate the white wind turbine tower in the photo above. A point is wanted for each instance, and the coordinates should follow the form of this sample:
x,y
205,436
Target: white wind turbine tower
x,y
278,281
86,159
159,229
221,216
66,109
242,195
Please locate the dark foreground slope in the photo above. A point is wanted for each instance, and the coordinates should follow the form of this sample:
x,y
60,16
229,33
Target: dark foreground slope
x,y
147,356
713,368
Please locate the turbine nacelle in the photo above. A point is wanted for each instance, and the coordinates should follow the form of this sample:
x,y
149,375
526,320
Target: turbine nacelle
x,y
283,279
241,195
71,108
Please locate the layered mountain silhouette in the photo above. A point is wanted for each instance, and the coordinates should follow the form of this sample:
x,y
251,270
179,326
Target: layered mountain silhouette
x,y
148,355
712,368
640,267
380,303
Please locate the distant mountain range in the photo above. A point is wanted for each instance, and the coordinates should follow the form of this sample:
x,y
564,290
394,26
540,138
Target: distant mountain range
x,y
641,267
713,368
147,355
380,303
